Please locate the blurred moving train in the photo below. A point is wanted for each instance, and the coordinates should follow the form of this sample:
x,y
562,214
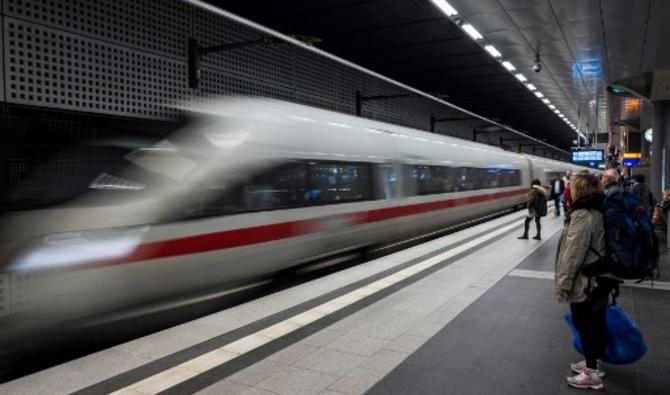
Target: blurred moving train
x,y
248,187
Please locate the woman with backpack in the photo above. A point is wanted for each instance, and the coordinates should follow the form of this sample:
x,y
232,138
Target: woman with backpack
x,y
583,242
536,203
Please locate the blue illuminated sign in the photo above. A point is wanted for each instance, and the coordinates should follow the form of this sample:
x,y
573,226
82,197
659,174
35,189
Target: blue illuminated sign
x,y
588,156
631,161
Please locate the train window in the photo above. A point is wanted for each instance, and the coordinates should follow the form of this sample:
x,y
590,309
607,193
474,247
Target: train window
x,y
339,182
281,187
388,182
441,179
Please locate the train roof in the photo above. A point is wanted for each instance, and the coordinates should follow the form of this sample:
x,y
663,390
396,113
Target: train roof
x,y
339,130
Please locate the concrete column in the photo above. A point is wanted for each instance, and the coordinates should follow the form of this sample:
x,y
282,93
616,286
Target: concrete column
x,y
659,154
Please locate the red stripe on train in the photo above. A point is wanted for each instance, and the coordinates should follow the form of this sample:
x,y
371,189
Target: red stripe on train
x,y
265,233
413,209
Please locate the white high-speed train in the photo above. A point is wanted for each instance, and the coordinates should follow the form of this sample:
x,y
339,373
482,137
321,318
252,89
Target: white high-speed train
x,y
248,187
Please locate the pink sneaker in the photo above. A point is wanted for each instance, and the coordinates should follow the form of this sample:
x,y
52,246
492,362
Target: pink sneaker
x,y
577,367
586,379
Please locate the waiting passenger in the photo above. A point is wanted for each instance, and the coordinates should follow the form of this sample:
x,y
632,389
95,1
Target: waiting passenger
x,y
566,192
557,189
535,203
610,180
582,242
660,218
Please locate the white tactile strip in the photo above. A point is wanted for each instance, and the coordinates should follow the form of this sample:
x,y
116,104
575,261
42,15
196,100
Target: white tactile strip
x,y
659,285
162,343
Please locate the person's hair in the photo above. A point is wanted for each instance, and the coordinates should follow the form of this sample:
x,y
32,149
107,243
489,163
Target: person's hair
x,y
639,178
666,194
612,175
535,182
583,185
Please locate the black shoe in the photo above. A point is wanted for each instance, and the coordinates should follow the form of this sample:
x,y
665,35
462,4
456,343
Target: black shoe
x,y
524,237
537,237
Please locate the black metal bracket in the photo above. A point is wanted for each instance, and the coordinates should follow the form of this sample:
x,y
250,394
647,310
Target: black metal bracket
x,y
360,99
434,121
534,146
196,52
503,139
476,132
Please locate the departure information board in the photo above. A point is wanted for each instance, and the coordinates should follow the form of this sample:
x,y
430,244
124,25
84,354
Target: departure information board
x,y
587,156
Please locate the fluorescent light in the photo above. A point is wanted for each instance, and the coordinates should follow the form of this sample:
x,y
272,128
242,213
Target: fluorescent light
x,y
539,94
493,51
561,116
557,112
521,77
546,101
472,31
553,107
531,87
509,66
445,7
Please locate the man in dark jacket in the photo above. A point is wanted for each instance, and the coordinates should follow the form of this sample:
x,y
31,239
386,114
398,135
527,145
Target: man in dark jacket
x,y
557,189
534,199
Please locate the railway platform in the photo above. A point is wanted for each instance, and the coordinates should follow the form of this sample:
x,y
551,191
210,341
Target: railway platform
x,y
472,312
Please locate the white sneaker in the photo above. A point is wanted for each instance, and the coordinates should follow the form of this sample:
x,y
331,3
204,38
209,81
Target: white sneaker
x,y
586,379
577,367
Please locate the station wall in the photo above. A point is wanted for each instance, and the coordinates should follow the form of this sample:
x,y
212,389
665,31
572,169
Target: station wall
x,y
128,58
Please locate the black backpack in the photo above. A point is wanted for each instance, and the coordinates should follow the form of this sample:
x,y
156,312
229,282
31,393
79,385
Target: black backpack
x,y
540,204
632,245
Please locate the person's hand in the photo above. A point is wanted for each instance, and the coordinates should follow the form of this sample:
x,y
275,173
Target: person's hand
x,y
562,293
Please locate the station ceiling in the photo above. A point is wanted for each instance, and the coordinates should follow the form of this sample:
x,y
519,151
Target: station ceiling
x,y
583,46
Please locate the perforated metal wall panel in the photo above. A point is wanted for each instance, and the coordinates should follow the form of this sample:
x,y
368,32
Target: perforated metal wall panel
x,y
128,58
157,26
2,45
52,68
23,291
5,303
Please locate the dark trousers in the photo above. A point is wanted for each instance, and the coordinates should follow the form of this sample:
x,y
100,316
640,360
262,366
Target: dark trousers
x,y
526,224
590,319
557,203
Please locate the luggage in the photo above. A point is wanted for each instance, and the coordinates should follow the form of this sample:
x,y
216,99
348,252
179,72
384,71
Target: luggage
x,y
632,245
540,205
625,343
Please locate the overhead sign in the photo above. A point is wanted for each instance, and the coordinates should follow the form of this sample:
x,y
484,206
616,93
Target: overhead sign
x,y
588,156
593,158
630,162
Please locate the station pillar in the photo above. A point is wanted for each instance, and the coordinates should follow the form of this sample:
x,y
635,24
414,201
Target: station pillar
x,y
660,150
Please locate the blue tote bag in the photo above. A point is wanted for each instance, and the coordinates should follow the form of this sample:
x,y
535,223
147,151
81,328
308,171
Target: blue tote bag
x,y
624,340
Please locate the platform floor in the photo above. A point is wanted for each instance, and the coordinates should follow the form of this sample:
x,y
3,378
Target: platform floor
x,y
469,313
